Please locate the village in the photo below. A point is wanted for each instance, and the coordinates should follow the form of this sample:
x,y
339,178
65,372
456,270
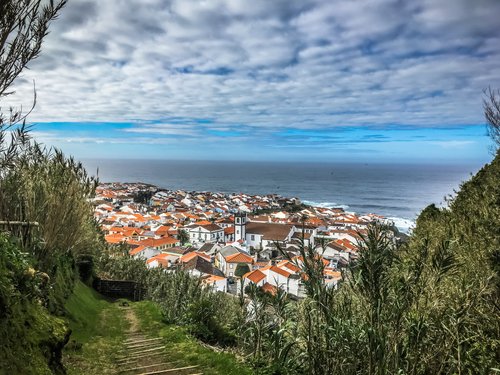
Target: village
x,y
229,240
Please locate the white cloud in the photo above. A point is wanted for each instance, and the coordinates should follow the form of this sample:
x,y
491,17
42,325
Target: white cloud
x,y
267,64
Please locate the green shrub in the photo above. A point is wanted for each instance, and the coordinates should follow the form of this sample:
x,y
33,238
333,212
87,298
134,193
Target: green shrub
x,y
32,339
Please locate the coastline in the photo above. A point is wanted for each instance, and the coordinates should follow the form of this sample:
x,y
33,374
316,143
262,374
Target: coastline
x,y
400,191
404,225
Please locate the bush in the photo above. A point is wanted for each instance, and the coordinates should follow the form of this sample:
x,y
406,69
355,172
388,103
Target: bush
x,y
241,269
32,339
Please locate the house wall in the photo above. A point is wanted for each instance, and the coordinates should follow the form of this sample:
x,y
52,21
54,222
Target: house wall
x,y
153,264
222,265
202,235
220,285
332,253
255,242
246,282
147,253
277,280
230,268
294,286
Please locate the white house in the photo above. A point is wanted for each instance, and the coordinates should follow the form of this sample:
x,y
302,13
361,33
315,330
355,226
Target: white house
x,y
277,276
218,283
228,257
162,260
334,250
264,236
256,277
144,252
205,233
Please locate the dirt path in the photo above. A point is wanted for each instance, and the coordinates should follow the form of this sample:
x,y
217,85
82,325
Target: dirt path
x,y
132,319
145,354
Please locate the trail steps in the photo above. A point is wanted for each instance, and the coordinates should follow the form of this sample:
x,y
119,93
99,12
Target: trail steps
x,y
144,355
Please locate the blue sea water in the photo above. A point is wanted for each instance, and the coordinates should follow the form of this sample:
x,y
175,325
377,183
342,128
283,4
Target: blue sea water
x,y
398,191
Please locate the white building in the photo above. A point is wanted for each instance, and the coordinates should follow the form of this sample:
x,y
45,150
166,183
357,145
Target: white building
x,y
205,233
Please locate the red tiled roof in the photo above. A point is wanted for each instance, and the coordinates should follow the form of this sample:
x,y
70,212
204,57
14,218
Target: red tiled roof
x,y
280,271
212,278
193,254
239,258
269,289
159,242
114,238
229,230
289,265
254,276
137,250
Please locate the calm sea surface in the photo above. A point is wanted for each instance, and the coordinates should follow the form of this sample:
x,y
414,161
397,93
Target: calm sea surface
x,y
394,190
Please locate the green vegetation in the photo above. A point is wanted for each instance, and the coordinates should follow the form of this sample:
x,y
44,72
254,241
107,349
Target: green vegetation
x,y
184,300
84,309
44,208
426,306
287,207
183,236
183,348
241,269
32,339
98,329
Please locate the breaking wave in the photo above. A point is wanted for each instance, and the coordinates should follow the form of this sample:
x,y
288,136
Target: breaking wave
x,y
326,204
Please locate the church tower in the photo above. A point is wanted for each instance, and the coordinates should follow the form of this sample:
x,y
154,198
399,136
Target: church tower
x,y
240,224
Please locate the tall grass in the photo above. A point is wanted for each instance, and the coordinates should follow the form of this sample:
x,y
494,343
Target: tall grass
x,y
428,306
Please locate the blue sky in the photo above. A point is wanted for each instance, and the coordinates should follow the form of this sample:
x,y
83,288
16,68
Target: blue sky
x,y
461,144
363,80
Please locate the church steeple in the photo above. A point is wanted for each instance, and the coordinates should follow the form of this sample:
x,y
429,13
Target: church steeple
x,y
240,222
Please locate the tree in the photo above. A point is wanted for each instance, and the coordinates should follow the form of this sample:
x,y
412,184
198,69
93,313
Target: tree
x,y
23,26
143,196
241,269
183,236
491,104
44,196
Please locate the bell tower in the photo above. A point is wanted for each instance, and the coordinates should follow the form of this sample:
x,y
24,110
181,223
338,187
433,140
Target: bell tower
x,y
240,224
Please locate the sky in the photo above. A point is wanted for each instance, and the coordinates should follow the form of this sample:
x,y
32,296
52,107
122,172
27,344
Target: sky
x,y
325,80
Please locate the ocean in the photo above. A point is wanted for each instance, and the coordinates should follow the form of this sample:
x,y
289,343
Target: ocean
x,y
397,191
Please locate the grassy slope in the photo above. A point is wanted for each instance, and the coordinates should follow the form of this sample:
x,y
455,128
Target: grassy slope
x,y
183,348
97,326
25,338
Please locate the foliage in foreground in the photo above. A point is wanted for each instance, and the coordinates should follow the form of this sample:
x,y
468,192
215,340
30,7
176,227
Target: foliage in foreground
x,y
428,306
182,348
31,338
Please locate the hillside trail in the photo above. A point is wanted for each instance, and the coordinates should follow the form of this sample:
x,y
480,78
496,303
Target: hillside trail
x,y
145,354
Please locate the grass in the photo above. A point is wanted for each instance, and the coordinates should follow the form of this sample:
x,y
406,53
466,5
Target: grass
x,y
98,331
84,308
98,328
183,348
25,338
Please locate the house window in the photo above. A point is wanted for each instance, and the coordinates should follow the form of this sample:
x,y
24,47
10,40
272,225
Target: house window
x,y
252,237
230,265
237,231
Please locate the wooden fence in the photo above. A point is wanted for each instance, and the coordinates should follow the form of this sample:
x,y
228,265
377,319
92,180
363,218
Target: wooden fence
x,y
119,289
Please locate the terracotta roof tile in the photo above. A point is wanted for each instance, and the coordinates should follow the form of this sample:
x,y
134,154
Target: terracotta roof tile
x,y
239,258
255,276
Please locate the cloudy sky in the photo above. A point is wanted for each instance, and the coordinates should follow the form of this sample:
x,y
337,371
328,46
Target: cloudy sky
x,y
271,80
